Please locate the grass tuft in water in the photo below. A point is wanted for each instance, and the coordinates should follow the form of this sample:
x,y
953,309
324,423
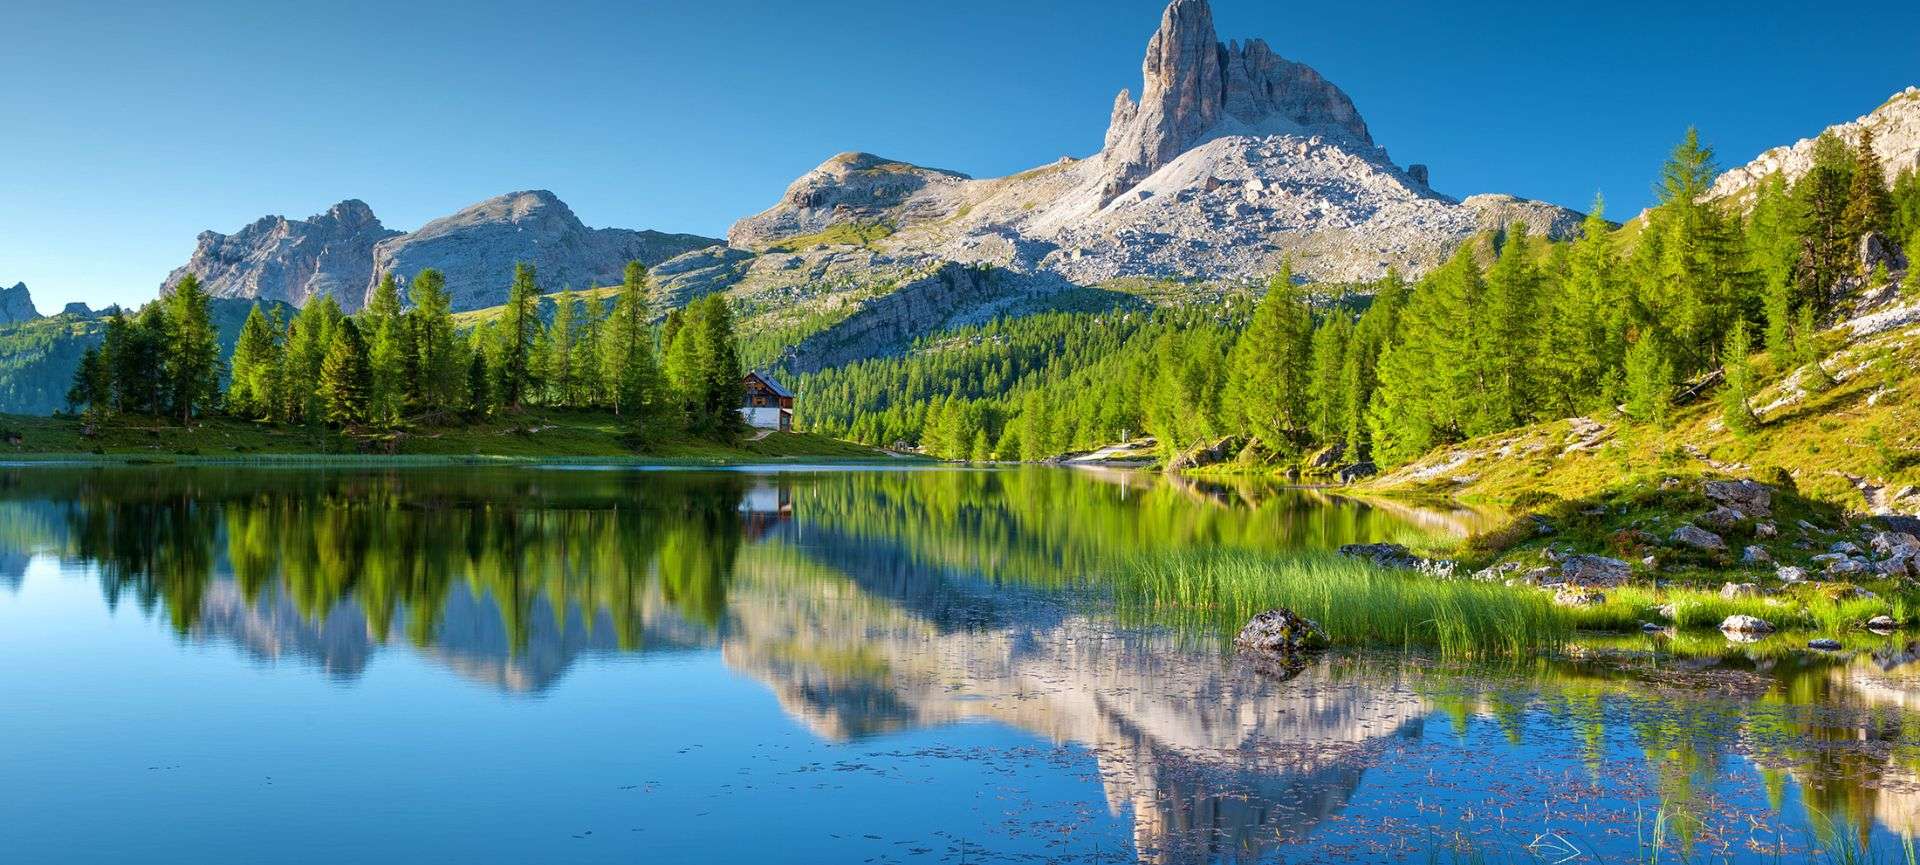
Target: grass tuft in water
x,y
1357,603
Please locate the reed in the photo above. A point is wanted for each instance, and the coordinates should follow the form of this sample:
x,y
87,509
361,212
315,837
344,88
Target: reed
x,y
1358,604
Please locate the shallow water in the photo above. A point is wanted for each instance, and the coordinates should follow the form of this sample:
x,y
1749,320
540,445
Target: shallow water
x,y
539,665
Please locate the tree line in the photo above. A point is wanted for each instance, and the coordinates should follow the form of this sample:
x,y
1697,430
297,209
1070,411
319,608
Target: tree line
x,y
1513,329
394,365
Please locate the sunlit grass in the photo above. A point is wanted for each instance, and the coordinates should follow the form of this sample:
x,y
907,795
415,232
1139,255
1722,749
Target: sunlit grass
x,y
1699,609
1357,603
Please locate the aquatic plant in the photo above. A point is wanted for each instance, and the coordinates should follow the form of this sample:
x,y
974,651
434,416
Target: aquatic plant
x,y
1357,603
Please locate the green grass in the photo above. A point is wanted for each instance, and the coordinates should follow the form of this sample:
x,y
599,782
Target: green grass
x,y
531,435
863,234
1802,609
1358,604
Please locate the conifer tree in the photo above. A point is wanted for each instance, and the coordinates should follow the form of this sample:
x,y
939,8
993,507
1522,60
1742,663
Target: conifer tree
x,y
1649,377
1270,365
192,361
309,338
1504,353
346,377
1585,316
479,391
1910,287
1428,379
632,375
441,368
92,386
1327,394
1827,253
1869,205
254,367
1736,410
520,329
384,329
556,355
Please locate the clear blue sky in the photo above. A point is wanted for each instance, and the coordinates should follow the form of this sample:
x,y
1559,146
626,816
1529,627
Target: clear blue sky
x,y
126,129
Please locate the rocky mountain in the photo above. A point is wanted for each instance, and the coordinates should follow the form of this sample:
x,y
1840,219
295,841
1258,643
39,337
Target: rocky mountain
x,y
477,248
343,253
1896,139
16,305
290,260
1232,158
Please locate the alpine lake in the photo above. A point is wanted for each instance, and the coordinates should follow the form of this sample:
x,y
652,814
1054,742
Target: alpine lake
x,y
844,665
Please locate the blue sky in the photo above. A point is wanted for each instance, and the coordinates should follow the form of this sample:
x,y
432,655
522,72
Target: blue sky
x,y
126,129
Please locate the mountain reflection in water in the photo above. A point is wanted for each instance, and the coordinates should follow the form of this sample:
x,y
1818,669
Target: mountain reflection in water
x,y
872,604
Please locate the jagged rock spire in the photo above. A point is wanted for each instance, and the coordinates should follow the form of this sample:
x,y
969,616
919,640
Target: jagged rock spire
x,y
1196,88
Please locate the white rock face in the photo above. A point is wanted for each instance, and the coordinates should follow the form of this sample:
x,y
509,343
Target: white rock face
x,y
16,305
478,247
1232,158
1896,140
290,260
343,253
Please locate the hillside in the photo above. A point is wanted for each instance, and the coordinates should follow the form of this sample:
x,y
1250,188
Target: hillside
x,y
1854,443
38,356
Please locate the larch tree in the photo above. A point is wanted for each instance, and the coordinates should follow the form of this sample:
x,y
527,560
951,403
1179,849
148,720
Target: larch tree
x,y
1270,366
192,361
518,333
1869,204
346,378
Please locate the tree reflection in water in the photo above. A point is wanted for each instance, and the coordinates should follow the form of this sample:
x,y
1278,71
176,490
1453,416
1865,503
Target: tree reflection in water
x,y
875,602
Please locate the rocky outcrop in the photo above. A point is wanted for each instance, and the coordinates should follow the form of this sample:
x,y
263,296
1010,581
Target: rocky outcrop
x,y
1896,140
1196,88
478,247
1232,159
342,253
16,305
290,260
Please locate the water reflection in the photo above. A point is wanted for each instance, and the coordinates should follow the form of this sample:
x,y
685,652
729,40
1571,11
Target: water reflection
x,y
876,603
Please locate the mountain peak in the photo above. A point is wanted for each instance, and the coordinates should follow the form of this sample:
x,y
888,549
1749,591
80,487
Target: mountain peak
x,y
1197,88
16,305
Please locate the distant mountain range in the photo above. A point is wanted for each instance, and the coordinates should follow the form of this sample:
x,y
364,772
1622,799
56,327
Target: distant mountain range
x,y
1231,159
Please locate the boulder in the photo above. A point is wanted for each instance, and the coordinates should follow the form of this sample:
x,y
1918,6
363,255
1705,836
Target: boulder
x,y
1766,531
1575,596
1722,519
1877,250
1746,625
1789,574
1848,568
1751,498
1891,543
1756,555
1824,644
1734,591
1699,539
1281,631
1882,624
1384,555
1598,572
1844,548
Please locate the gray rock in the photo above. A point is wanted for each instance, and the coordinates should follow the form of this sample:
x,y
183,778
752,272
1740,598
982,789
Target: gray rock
x,y
1844,548
1699,539
16,305
1756,555
1882,623
1597,572
1282,632
1722,519
1848,568
1766,531
478,247
1749,497
1892,543
1746,625
1575,596
1384,555
1733,591
1824,644
342,253
291,260
1789,574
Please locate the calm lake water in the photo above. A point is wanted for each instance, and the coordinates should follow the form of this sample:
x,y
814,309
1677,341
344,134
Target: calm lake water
x,y
562,665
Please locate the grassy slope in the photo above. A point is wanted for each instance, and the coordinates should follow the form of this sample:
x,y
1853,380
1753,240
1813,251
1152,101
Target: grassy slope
x,y
533,435
1858,437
